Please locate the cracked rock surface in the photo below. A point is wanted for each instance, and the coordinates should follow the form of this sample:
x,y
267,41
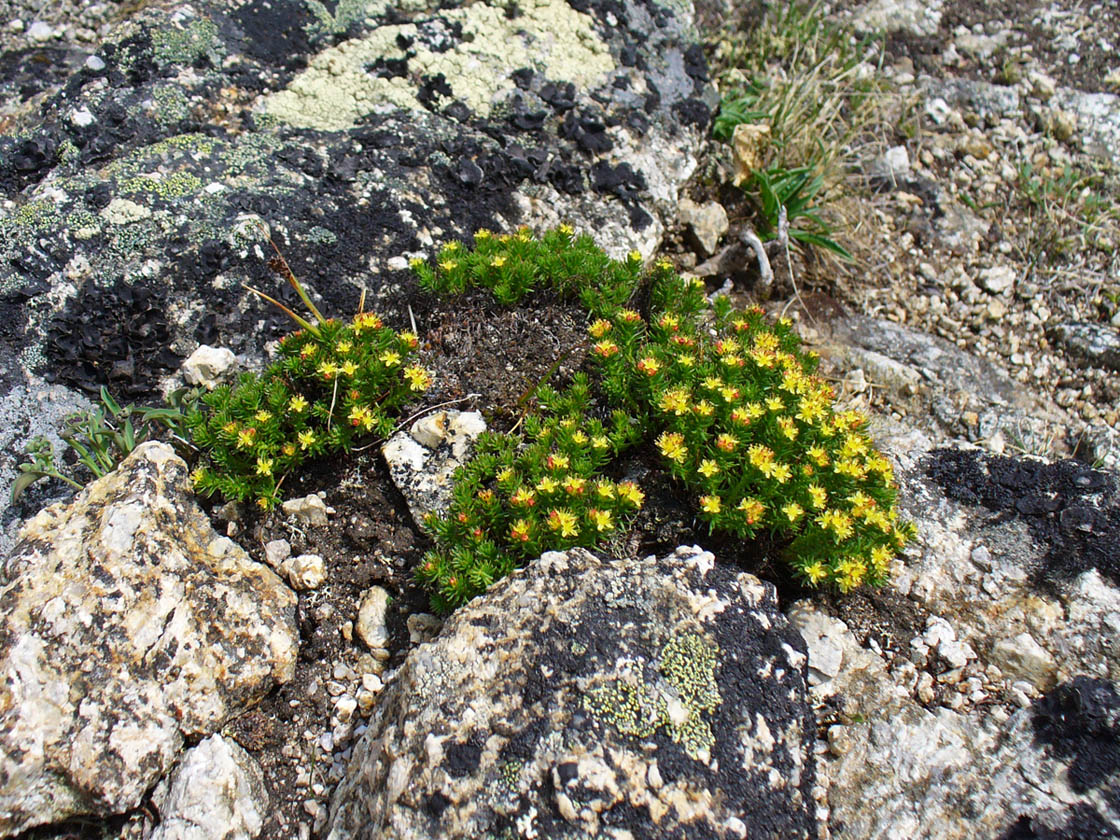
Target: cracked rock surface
x,y
109,652
659,698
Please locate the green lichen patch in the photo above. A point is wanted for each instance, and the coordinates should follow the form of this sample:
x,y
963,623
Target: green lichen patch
x,y
172,45
338,90
688,667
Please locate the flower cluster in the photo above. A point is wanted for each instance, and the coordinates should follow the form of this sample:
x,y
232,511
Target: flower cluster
x,y
330,386
513,265
738,414
523,494
730,401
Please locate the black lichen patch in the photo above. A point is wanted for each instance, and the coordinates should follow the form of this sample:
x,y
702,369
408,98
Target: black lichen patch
x,y
1081,822
275,31
1071,509
1079,722
118,338
461,758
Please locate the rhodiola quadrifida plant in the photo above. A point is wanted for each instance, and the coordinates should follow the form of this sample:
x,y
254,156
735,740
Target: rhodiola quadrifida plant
x,y
730,401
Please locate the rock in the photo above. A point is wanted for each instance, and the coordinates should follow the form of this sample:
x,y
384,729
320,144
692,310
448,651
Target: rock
x,y
826,653
307,510
892,166
423,460
676,662
1025,658
422,627
207,365
749,142
706,222
305,572
371,618
129,626
276,552
998,279
40,32
601,115
1043,86
1093,343
918,17
1097,121
216,793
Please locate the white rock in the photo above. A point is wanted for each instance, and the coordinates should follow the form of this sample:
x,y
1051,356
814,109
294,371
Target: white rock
x,y
894,164
305,572
422,627
371,617
81,117
998,279
276,552
423,461
217,791
40,32
207,365
95,63
707,222
308,510
822,637
128,626
1025,658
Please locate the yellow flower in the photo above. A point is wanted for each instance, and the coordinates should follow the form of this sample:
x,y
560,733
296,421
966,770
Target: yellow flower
x,y
230,428
344,347
628,491
418,378
600,328
726,442
601,519
524,497
849,574
547,485
775,404
556,461
390,358
762,458
564,522
664,264
358,415
263,416
672,446
449,265
600,442
793,511
753,509
198,476
710,504
838,521
704,408
629,316
781,473
881,559
409,338
788,427
328,369
482,233
366,321
605,348
415,263
713,383
264,466
289,449
649,366
729,393
604,490
297,404
519,531
810,409
686,360
306,439
245,438
675,400
574,486
634,256
349,368
818,496
498,261
708,468
579,438
817,455
815,573
566,229
861,503
854,446
504,476
669,322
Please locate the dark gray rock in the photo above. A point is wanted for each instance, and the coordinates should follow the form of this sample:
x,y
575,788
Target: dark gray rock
x,y
1095,344
588,698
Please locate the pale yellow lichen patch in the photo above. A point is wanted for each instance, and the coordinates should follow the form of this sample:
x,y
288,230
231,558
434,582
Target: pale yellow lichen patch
x,y
337,90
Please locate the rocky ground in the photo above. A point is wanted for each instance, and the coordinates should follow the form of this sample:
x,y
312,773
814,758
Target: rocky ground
x,y
983,304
